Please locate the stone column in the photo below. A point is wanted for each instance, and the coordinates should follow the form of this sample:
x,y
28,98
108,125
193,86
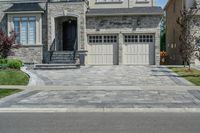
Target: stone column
x,y
157,47
120,49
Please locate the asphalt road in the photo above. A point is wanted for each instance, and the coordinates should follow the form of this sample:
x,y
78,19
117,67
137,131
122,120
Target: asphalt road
x,y
99,122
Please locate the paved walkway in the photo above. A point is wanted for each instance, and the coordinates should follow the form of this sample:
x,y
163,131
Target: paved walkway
x,y
110,76
104,99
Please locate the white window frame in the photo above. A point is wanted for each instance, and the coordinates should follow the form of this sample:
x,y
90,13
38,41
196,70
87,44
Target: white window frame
x,y
109,1
38,37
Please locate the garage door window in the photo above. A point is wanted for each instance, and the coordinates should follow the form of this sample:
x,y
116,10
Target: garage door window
x,y
131,38
95,39
138,38
110,39
146,38
102,39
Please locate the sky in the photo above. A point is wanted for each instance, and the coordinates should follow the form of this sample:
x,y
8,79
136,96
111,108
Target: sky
x,y
161,2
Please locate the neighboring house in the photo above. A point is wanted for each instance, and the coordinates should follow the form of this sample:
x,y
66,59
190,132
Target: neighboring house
x,y
99,32
173,9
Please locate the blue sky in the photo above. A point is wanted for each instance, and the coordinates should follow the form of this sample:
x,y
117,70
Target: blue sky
x,y
161,2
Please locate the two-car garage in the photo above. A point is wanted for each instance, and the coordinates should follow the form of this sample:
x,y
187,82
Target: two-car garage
x,y
136,49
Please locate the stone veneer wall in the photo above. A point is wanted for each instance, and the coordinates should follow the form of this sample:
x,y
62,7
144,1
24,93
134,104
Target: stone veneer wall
x,y
61,9
28,54
126,24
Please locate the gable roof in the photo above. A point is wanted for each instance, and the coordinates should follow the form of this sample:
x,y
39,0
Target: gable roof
x,y
25,7
125,11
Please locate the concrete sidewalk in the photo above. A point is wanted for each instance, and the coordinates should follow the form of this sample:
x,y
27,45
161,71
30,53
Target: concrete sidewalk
x,y
104,99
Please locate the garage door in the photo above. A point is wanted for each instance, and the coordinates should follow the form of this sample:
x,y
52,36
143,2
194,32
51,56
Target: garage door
x,y
102,50
138,49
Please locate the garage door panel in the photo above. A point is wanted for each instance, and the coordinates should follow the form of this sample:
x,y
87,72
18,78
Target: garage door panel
x,y
138,49
103,51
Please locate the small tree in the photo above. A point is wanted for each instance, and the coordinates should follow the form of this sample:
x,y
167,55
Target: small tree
x,y
7,43
187,38
163,34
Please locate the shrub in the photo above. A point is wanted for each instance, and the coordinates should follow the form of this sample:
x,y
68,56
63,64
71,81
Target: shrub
x,y
14,64
3,61
7,43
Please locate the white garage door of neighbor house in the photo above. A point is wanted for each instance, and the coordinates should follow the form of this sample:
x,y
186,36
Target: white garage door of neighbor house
x,y
102,50
138,49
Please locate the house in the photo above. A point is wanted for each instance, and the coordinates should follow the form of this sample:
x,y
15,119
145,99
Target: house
x,y
94,32
173,9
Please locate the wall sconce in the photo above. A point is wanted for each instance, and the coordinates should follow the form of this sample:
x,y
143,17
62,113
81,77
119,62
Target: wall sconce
x,y
138,22
69,21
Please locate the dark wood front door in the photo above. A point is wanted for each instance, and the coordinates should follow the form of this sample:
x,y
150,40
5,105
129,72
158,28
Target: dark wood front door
x,y
69,35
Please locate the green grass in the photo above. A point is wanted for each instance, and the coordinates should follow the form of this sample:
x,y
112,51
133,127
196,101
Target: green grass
x,y
7,92
13,77
193,75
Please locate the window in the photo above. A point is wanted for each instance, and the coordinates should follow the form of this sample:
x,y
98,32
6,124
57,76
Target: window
x,y
110,39
108,1
174,7
25,27
131,38
146,38
142,1
95,39
102,39
140,38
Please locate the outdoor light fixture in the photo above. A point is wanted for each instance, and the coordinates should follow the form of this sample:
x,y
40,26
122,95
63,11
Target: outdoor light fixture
x,y
69,21
138,22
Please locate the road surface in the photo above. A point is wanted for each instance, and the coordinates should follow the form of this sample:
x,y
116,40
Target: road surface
x,y
99,122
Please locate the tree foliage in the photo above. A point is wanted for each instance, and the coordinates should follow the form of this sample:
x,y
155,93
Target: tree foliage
x,y
187,38
163,34
7,43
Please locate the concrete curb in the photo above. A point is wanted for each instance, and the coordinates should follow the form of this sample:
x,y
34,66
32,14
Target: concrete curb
x,y
95,88
103,110
34,79
13,87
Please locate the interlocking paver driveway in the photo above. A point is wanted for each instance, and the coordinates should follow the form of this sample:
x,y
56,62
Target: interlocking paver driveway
x,y
105,99
111,76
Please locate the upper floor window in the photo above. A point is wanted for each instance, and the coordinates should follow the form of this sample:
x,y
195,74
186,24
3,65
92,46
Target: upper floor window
x,y
174,7
108,1
142,1
25,28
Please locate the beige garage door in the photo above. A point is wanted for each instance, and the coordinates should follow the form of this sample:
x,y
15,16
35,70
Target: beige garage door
x,y
102,50
138,49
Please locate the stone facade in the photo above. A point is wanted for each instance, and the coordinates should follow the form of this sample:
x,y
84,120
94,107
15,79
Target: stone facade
x,y
124,25
28,54
56,12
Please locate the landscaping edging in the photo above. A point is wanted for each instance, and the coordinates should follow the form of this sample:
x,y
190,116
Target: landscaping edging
x,y
34,79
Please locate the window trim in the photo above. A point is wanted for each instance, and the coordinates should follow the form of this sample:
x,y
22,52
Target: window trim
x,y
10,23
108,2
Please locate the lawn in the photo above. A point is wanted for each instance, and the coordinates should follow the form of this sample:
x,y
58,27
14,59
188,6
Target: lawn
x,y
192,76
7,92
13,77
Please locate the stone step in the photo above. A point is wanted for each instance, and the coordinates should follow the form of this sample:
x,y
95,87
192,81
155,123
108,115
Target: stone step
x,y
62,53
55,66
62,61
61,58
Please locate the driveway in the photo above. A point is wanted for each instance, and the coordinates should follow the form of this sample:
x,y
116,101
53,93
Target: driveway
x,y
110,76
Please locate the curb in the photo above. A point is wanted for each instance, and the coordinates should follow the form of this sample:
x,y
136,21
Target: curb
x,y
34,79
95,88
100,110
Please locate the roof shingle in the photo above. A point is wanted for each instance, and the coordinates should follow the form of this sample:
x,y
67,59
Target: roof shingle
x,y
126,11
20,7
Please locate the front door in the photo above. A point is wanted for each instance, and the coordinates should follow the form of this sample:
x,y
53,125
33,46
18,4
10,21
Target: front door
x,y
69,35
